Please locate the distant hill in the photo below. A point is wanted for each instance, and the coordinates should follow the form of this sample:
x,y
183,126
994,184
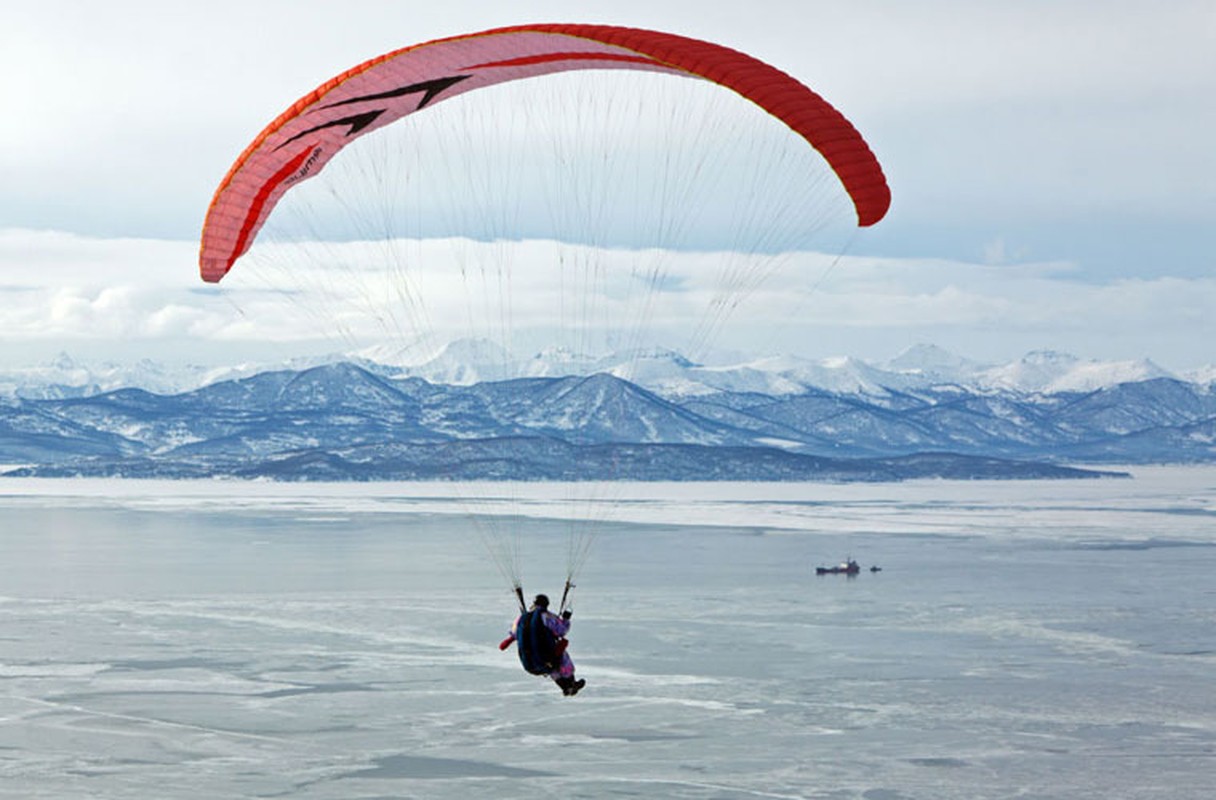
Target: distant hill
x,y
559,416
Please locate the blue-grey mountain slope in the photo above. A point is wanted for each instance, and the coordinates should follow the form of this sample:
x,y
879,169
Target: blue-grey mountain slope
x,y
345,421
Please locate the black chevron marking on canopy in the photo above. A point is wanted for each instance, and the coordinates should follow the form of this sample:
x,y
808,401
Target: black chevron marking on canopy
x,y
429,90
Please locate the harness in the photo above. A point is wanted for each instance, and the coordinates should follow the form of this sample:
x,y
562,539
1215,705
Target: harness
x,y
538,648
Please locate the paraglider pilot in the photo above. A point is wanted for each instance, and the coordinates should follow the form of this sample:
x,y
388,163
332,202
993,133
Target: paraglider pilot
x,y
540,639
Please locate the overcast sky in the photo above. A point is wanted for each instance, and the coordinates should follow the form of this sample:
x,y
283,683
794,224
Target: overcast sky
x,y
1051,165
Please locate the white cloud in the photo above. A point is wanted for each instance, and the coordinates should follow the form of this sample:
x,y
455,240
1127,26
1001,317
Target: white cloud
x,y
131,296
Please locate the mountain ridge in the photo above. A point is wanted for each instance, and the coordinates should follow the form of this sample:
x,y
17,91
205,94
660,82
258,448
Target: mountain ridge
x,y
349,421
665,372
928,413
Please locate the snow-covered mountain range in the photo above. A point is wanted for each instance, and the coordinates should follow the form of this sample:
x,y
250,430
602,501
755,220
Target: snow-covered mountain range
x,y
472,411
666,372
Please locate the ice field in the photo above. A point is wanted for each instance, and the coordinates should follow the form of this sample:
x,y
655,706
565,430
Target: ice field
x,y
236,640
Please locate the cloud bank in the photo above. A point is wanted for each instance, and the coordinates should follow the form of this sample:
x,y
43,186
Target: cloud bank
x,y
130,298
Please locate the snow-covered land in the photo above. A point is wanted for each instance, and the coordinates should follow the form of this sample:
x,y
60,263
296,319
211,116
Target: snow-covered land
x,y
474,411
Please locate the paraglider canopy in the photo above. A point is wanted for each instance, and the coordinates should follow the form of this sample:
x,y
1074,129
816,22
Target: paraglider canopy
x,y
607,204
298,144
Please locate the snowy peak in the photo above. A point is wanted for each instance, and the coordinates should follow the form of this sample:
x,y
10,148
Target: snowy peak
x,y
934,364
842,374
1203,376
1050,372
559,362
465,362
1034,372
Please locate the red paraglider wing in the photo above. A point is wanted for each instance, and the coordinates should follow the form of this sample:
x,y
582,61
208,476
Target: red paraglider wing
x,y
302,139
